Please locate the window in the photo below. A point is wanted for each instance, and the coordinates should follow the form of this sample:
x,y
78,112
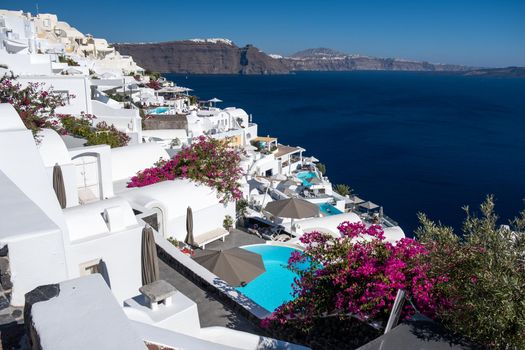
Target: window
x,y
46,23
90,267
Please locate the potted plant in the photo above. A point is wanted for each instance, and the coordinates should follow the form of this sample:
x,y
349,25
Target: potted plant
x,y
227,222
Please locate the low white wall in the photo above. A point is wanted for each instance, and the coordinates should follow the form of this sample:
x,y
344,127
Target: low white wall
x,y
35,261
76,85
121,252
173,339
204,220
27,64
127,161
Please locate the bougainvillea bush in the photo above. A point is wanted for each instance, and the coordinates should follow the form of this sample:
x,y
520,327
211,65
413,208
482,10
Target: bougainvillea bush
x,y
34,104
357,275
208,161
473,282
36,107
485,269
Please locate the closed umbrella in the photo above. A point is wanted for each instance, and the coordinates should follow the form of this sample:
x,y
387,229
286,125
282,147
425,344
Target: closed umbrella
x,y
189,227
236,266
293,208
150,264
58,185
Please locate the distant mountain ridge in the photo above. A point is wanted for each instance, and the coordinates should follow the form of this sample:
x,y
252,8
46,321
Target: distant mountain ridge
x,y
222,56
518,72
324,59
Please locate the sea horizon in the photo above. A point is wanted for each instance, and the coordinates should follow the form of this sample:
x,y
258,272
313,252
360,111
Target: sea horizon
x,y
412,142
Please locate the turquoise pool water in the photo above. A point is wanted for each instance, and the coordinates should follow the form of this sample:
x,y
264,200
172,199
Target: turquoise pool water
x,y
158,110
329,209
304,176
274,287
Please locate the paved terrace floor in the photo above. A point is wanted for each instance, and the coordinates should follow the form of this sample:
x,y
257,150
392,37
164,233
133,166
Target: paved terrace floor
x,y
211,311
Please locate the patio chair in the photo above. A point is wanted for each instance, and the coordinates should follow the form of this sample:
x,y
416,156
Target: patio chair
x,y
254,231
281,238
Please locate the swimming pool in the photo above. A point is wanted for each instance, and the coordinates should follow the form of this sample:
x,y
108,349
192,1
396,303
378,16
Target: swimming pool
x,y
304,176
158,110
328,209
274,287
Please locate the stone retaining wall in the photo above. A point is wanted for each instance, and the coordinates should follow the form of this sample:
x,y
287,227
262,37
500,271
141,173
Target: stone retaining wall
x,y
166,122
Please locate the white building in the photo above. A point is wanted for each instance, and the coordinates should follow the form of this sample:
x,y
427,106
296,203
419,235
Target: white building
x,y
50,245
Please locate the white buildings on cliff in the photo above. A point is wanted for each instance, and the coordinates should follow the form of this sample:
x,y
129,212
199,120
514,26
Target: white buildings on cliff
x,y
88,244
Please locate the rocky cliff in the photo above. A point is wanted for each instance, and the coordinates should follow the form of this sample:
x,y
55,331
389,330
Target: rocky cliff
x,y
202,57
214,56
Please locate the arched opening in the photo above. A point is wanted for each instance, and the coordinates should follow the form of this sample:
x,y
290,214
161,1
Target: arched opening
x,y
160,220
88,177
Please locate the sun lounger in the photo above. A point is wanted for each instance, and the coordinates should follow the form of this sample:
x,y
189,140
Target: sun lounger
x,y
281,238
210,236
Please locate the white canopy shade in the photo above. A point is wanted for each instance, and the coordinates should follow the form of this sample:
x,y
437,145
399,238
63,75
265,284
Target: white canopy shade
x,y
369,205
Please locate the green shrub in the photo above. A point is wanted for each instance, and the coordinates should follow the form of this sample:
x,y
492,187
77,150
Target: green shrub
x,y
342,189
486,276
108,135
70,62
100,134
228,222
321,167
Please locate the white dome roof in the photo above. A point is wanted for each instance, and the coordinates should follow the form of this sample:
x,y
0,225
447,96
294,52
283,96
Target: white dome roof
x,y
173,197
52,148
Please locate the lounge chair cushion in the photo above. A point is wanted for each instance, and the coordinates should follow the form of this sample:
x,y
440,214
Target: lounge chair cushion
x,y
210,236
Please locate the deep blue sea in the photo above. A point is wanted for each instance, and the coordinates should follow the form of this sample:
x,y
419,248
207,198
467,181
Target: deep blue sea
x,y
412,142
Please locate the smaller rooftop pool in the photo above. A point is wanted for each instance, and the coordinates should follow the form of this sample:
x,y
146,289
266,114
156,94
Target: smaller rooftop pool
x,y
328,209
158,110
274,287
304,176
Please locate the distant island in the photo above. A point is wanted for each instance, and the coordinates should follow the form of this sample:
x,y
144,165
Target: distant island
x,y
518,72
222,56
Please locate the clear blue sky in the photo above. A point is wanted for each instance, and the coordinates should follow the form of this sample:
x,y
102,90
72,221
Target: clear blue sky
x,y
479,33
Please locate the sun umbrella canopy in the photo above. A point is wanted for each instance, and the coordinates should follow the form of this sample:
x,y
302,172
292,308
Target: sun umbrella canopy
x,y
215,100
355,200
150,264
236,266
58,185
293,208
369,205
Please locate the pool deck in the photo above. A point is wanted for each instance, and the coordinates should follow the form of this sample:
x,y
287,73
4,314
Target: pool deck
x,y
213,312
